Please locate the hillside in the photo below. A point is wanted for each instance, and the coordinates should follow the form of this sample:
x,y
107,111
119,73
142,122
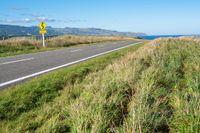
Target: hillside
x,y
153,89
13,30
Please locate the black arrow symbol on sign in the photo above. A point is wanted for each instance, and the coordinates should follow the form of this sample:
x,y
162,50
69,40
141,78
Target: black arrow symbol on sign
x,y
42,25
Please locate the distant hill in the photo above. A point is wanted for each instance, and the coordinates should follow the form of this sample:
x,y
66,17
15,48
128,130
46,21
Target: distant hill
x,y
12,30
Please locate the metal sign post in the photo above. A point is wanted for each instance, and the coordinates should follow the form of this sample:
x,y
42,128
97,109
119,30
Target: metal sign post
x,y
43,42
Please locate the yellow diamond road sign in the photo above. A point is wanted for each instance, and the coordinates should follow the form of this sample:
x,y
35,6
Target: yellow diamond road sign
x,y
43,31
42,26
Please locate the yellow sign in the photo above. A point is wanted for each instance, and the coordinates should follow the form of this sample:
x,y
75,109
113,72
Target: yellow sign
x,y
42,26
43,31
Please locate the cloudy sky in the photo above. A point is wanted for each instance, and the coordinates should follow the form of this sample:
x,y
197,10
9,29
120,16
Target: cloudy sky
x,y
149,16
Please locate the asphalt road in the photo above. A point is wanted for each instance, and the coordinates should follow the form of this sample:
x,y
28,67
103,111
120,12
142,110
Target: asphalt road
x,y
16,69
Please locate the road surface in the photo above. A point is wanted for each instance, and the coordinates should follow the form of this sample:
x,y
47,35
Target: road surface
x,y
16,69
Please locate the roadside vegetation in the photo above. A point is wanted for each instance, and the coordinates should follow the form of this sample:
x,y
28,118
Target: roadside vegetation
x,y
34,94
24,45
153,89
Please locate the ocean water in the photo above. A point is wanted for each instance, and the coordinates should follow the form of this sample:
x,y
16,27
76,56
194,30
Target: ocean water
x,y
159,36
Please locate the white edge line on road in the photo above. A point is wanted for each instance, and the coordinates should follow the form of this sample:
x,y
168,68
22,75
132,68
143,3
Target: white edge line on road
x,y
61,66
76,50
16,61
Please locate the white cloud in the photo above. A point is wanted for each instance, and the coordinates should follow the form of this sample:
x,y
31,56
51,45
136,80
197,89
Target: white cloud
x,y
72,20
19,8
45,19
27,20
36,18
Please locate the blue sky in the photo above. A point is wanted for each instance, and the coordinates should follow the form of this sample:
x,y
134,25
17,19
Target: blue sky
x,y
150,16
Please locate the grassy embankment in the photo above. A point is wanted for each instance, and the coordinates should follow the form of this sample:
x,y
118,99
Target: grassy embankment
x,y
40,92
24,45
155,89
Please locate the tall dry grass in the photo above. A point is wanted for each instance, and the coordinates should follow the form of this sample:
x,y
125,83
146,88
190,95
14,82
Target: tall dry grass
x,y
18,42
65,41
60,41
22,45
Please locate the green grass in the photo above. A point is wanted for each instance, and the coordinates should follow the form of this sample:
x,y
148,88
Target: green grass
x,y
153,89
11,51
20,100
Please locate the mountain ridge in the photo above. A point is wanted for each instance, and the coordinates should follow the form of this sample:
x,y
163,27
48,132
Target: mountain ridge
x,y
16,30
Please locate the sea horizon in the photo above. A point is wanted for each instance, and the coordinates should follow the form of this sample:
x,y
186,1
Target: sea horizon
x,y
152,37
